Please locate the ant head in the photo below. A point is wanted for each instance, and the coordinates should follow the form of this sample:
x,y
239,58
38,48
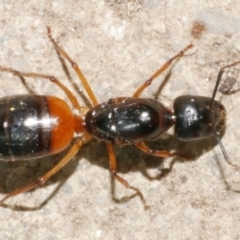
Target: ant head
x,y
196,118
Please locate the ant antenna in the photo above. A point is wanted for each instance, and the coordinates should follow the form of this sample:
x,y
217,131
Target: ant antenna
x,y
219,77
217,84
224,152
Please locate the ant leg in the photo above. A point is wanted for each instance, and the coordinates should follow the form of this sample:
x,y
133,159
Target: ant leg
x,y
75,67
142,146
113,170
163,153
67,158
69,94
161,70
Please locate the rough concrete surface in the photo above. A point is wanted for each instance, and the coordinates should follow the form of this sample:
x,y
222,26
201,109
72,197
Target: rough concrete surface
x,y
118,45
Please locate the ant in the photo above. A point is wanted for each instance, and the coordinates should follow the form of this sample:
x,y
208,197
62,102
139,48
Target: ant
x,y
33,126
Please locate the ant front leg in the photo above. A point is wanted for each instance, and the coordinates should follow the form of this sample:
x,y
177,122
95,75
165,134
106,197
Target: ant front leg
x,y
143,147
160,71
160,153
113,170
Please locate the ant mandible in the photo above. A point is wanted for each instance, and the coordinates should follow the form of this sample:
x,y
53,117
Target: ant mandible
x,y
33,126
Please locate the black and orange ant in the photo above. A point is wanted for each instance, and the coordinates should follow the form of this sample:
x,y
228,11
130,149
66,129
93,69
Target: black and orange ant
x,y
33,126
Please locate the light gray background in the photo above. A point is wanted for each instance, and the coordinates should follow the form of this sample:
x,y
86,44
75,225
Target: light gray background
x,y
118,45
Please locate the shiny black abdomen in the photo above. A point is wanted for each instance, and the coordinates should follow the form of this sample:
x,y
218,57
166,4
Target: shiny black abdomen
x,y
195,118
128,120
24,127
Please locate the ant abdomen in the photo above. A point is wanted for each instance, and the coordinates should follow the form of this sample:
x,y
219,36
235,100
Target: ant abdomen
x,y
32,126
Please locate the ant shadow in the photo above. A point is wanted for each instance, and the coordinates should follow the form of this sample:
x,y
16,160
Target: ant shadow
x,y
20,173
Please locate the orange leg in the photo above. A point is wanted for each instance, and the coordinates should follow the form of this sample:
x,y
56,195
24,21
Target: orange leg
x,y
160,71
113,170
142,146
67,158
91,95
163,153
75,67
69,94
